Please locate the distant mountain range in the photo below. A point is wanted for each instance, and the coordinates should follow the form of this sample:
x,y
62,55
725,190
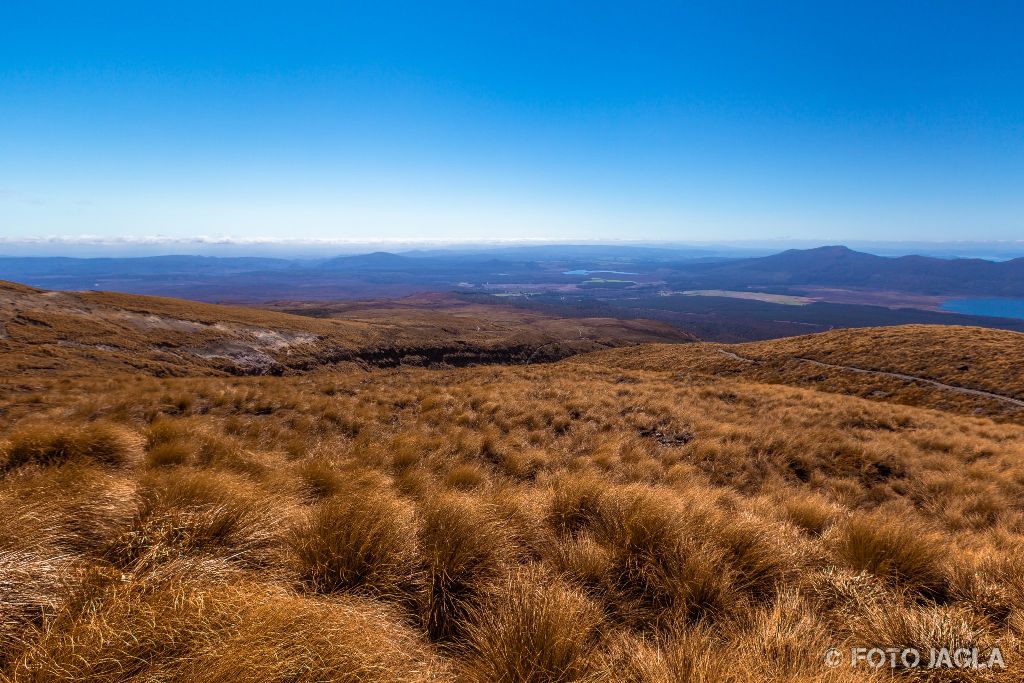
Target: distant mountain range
x,y
384,274
838,266
26,267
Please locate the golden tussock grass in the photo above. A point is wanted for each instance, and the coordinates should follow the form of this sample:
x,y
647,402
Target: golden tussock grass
x,y
570,522
533,628
48,444
359,543
189,622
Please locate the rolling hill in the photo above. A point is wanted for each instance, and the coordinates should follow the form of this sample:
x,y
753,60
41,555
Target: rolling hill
x,y
88,331
961,369
648,513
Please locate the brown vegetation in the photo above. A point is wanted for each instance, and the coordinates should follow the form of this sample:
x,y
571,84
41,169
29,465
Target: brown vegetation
x,y
961,357
86,332
964,356
614,517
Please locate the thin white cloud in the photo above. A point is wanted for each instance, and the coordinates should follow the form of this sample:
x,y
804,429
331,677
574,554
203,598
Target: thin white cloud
x,y
145,240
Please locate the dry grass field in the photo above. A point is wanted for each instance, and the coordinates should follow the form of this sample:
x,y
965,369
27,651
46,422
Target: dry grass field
x,y
655,514
987,361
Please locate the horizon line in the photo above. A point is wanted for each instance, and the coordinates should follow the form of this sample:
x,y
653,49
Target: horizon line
x,y
228,240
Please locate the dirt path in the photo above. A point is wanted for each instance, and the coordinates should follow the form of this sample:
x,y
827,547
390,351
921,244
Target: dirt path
x,y
895,375
736,356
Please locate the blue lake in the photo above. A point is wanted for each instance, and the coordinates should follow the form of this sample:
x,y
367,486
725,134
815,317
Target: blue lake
x,y
592,272
999,307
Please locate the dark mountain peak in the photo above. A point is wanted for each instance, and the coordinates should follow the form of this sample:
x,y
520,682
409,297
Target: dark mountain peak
x,y
829,249
374,257
819,257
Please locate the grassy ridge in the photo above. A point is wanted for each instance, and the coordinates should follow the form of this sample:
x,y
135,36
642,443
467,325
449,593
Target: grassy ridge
x,y
968,357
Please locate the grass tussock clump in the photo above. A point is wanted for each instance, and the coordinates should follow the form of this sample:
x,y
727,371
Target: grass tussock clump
x,y
661,571
464,550
182,513
320,479
164,430
132,630
74,510
533,629
46,444
764,556
168,455
900,550
291,640
31,586
810,512
683,655
925,627
184,623
360,543
577,504
466,477
582,560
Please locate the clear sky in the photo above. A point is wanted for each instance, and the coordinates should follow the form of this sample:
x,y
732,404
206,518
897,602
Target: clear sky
x,y
533,120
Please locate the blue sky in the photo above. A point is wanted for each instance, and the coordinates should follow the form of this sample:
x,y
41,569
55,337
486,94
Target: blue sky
x,y
473,121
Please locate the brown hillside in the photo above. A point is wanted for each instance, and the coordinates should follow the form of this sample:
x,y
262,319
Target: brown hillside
x,y
985,359
83,332
938,364
654,514
554,522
